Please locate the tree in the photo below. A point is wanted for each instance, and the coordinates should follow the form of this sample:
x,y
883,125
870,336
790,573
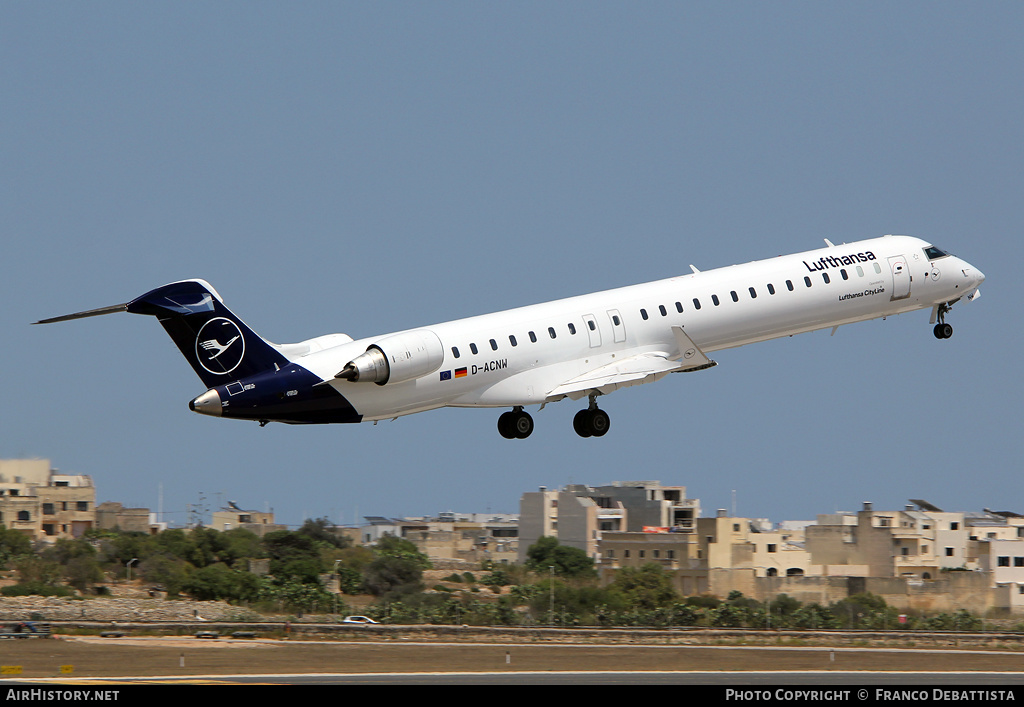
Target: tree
x,y
218,581
567,561
293,554
168,571
13,544
396,569
783,605
77,559
647,587
321,531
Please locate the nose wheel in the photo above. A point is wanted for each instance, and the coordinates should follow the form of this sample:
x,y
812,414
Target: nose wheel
x,y
942,330
516,424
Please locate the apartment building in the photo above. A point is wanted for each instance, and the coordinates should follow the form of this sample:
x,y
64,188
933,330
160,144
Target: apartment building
x,y
580,516
915,543
43,503
470,537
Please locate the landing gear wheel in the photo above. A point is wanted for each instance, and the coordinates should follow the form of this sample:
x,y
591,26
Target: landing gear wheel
x,y
516,424
581,423
506,425
522,423
591,423
943,331
599,422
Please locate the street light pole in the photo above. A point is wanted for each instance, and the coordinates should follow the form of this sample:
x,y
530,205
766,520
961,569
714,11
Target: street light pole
x,y
551,611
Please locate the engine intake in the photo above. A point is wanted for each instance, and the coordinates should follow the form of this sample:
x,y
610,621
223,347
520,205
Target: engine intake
x,y
396,359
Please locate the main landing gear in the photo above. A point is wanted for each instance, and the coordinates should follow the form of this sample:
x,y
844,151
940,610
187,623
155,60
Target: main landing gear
x,y
943,330
592,422
516,424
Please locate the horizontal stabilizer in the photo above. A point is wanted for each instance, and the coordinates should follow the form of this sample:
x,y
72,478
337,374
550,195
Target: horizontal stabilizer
x,y
90,313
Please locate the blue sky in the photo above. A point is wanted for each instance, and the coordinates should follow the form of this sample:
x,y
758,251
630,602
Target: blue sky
x,y
368,167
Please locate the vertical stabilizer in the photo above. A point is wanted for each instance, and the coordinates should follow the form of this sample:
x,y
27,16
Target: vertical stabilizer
x,y
217,344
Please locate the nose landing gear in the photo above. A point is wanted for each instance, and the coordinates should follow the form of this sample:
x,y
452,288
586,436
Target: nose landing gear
x,y
942,330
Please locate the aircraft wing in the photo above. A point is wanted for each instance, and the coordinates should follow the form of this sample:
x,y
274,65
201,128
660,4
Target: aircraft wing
x,y
642,368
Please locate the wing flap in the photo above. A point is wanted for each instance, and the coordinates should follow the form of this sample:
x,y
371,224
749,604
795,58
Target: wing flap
x,y
642,368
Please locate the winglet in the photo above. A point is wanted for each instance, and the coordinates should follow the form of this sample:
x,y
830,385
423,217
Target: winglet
x,y
695,270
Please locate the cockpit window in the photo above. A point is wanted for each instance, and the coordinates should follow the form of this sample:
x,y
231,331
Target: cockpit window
x,y
934,253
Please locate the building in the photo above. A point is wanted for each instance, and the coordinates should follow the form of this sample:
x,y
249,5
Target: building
x,y
916,543
718,555
232,516
111,515
580,516
39,501
676,552
460,537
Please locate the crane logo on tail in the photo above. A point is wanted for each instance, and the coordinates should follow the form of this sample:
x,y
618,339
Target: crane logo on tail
x,y
220,346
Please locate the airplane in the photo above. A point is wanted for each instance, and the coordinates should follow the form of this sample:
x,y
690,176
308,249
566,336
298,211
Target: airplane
x,y
580,347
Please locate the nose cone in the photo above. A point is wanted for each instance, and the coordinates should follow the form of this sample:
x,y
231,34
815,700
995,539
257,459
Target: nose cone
x,y
207,404
974,276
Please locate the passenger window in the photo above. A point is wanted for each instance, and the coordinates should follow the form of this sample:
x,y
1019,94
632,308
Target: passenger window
x,y
643,314
512,340
679,307
572,328
771,289
661,308
789,285
860,271
735,297
696,303
753,293
472,347
807,281
824,276
494,345
455,351
593,326
714,299
533,337
551,332
843,273
878,268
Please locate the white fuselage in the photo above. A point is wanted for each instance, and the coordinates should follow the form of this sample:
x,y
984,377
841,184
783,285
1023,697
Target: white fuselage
x,y
544,352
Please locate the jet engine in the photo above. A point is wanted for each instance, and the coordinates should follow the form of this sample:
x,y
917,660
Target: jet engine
x,y
395,359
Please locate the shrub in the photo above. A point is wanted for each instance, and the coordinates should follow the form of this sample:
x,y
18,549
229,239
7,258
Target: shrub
x,y
34,587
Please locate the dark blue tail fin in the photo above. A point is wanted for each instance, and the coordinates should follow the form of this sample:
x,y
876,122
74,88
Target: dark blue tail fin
x,y
218,345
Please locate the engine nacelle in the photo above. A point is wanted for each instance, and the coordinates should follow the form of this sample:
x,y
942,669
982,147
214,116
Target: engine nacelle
x,y
397,358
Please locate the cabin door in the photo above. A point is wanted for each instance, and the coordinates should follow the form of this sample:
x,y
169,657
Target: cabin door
x,y
900,277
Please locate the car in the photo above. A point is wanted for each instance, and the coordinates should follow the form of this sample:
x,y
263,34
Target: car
x,y
207,634
358,620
